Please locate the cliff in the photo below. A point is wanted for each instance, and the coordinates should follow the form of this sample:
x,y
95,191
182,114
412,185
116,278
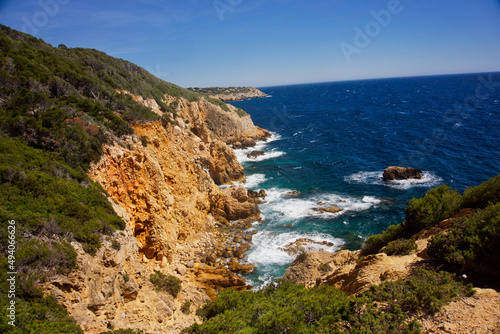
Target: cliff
x,y
173,207
116,178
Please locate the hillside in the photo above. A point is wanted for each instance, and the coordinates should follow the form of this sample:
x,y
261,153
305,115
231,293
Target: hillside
x,y
109,183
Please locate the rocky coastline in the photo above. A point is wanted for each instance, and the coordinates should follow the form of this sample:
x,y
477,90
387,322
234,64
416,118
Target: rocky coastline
x,y
231,94
163,180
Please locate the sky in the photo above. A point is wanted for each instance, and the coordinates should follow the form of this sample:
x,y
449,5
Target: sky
x,y
203,43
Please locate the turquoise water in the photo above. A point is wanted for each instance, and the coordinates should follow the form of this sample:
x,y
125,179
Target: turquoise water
x,y
332,141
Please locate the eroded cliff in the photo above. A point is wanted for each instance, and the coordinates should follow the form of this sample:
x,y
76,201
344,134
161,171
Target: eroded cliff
x,y
163,181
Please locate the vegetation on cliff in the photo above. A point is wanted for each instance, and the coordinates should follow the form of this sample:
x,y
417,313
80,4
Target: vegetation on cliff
x,y
290,308
473,242
58,106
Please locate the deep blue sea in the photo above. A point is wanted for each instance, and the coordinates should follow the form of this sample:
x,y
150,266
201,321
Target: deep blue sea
x,y
332,141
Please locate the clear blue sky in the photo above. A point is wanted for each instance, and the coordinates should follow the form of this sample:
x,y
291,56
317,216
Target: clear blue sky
x,y
273,42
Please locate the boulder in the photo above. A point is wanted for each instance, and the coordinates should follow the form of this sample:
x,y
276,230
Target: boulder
x,y
401,173
235,205
255,154
241,268
303,244
216,279
254,194
330,209
291,194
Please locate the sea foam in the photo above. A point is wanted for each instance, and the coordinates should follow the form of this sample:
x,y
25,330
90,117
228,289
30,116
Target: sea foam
x,y
428,179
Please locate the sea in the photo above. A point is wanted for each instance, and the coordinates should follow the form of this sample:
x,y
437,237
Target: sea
x,y
332,141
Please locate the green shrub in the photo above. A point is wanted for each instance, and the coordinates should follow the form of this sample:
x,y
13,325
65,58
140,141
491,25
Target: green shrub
x,y
241,112
400,247
126,277
482,195
291,308
218,102
324,268
167,283
144,141
472,245
36,255
438,204
186,307
115,244
427,291
377,241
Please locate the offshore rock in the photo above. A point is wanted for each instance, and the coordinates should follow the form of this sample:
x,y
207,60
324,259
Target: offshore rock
x,y
401,173
255,154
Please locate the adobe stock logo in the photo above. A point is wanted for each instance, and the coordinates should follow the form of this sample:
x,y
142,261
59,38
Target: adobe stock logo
x,y
363,37
48,9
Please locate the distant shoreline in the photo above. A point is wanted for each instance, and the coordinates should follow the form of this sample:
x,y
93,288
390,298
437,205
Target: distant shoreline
x,y
228,94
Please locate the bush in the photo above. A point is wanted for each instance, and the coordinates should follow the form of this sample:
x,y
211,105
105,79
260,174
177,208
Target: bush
x,y
46,196
482,195
115,244
241,112
473,243
377,241
218,102
167,283
427,291
186,307
290,308
400,247
438,204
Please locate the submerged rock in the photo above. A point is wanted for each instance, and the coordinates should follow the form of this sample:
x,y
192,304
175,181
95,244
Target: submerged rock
x,y
330,209
401,173
292,194
255,154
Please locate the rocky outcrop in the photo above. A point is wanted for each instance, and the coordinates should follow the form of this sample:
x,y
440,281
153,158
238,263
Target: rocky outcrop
x,y
401,173
302,245
112,290
224,166
217,279
350,272
237,204
292,194
256,197
230,127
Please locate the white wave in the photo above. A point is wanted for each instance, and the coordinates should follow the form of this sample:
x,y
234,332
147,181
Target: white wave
x,y
242,157
428,179
281,209
241,154
252,181
274,137
266,246
261,282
